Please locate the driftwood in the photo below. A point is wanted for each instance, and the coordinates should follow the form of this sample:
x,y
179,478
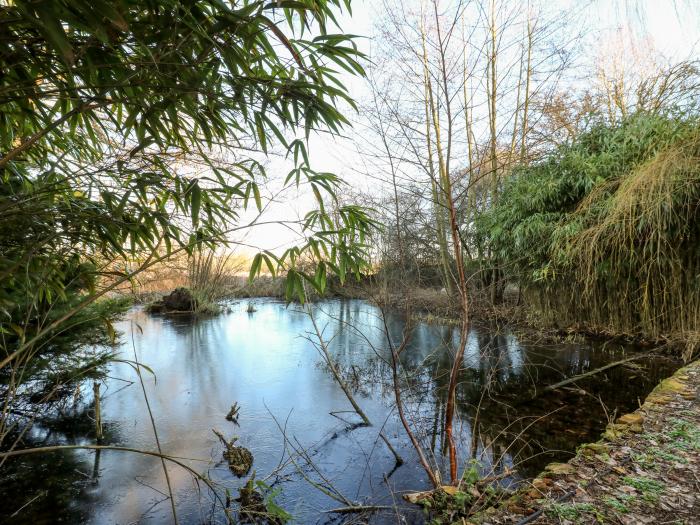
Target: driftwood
x,y
358,508
233,413
590,373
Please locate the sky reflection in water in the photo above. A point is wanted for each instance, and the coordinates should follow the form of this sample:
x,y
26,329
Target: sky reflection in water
x,y
264,362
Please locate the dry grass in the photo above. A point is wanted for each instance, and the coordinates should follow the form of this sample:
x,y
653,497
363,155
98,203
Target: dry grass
x,y
210,275
635,261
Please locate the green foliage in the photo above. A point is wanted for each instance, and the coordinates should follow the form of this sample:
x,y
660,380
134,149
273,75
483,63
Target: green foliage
x,y
100,100
685,435
132,130
570,511
650,488
275,513
454,506
616,504
614,215
77,350
471,475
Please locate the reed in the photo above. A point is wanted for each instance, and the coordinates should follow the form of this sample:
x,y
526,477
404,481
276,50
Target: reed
x,y
210,278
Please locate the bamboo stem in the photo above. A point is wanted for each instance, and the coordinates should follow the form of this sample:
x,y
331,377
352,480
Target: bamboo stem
x,y
98,414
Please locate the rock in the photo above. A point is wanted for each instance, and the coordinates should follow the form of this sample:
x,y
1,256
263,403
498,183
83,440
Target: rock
x,y
631,419
560,468
593,449
632,422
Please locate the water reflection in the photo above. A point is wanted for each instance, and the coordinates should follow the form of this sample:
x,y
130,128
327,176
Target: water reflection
x,y
264,362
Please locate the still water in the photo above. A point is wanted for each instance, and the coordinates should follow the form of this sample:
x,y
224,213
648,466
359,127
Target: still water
x,y
266,362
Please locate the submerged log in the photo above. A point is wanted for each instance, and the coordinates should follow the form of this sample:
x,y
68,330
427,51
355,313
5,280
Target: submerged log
x,y
590,373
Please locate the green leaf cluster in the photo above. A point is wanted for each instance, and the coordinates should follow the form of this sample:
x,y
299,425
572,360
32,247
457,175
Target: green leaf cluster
x,y
605,230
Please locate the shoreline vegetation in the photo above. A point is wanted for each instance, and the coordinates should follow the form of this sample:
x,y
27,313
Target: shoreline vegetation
x,y
433,306
554,494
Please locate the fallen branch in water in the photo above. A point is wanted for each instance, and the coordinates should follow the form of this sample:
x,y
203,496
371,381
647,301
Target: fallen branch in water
x,y
358,508
573,379
395,361
322,347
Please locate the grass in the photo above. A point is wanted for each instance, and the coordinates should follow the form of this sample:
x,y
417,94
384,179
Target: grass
x,y
686,432
631,227
650,488
571,511
650,459
616,505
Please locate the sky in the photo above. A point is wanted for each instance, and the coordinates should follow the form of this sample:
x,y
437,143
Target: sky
x,y
672,27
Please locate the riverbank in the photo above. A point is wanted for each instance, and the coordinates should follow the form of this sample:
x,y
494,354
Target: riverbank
x,y
643,470
435,306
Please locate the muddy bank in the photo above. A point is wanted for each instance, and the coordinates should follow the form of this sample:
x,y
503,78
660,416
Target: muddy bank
x,y
643,470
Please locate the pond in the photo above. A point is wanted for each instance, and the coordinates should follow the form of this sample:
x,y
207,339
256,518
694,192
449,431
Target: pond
x,y
266,361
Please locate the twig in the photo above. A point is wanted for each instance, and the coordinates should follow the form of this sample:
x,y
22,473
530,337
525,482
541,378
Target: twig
x,y
358,508
42,493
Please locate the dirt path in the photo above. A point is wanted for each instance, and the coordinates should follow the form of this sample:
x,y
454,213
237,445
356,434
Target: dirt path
x,y
646,469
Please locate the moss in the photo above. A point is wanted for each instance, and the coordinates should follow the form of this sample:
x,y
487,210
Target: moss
x,y
614,431
594,449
